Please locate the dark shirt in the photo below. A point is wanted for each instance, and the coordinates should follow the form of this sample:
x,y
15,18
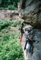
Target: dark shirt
x,y
21,29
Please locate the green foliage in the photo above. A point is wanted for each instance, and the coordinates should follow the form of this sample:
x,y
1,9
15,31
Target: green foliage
x,y
10,48
5,37
7,3
4,23
0,1
11,7
25,24
16,23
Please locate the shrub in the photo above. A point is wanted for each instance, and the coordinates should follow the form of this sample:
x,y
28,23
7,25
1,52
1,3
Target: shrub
x,y
12,50
5,37
10,4
4,23
16,23
11,7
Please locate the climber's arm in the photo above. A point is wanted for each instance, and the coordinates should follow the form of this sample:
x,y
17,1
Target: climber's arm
x,y
30,39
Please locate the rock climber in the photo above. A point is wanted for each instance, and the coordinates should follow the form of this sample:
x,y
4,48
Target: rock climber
x,y
28,39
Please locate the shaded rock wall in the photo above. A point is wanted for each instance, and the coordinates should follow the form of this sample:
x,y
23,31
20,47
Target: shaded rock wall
x,y
37,45
30,11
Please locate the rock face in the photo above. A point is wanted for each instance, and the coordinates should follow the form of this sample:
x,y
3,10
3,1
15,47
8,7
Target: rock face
x,y
30,11
37,45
